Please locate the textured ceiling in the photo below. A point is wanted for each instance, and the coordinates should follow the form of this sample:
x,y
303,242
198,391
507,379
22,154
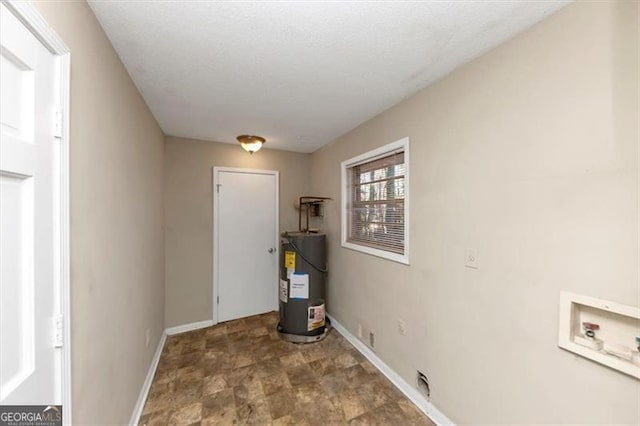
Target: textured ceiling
x,y
297,73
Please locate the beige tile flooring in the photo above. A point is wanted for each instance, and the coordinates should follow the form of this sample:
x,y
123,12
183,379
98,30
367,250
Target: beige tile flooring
x,y
241,372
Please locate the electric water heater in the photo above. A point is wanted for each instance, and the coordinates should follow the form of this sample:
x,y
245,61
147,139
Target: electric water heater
x,y
303,268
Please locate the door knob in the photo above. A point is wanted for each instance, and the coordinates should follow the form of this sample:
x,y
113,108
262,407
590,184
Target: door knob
x,y
272,250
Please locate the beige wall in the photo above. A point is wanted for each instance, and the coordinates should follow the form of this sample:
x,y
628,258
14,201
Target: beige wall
x,y
189,210
117,272
528,154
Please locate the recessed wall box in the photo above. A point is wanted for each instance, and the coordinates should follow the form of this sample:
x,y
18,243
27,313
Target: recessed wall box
x,y
617,327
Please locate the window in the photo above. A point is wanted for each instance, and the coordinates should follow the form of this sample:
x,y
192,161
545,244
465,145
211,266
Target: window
x,y
375,202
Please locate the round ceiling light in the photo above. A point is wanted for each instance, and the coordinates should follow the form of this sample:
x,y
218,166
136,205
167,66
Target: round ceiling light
x,y
251,143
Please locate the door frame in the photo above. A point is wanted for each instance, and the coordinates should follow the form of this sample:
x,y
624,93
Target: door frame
x,y
27,13
215,216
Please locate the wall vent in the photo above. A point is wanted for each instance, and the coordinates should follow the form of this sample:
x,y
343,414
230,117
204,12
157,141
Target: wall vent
x,y
423,383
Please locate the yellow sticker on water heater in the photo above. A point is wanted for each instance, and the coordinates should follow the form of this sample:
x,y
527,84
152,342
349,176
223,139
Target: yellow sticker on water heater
x,y
290,259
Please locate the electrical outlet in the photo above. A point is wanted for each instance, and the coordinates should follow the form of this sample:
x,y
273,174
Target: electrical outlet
x,y
402,327
147,337
372,339
471,258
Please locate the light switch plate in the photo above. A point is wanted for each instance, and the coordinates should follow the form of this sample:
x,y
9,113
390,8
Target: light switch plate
x,y
402,327
471,258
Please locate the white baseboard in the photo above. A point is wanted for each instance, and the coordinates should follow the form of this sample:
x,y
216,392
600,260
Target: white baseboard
x,y
188,327
144,392
437,416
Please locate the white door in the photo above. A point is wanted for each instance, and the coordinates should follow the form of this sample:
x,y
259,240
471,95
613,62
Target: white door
x,y
30,364
246,251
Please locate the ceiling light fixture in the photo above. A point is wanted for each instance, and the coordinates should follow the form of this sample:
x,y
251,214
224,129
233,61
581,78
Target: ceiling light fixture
x,y
251,143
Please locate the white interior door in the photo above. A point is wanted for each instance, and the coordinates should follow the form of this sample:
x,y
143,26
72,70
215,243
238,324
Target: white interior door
x,y
247,250
30,364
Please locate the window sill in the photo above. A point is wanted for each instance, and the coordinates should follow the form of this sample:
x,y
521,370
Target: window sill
x,y
395,257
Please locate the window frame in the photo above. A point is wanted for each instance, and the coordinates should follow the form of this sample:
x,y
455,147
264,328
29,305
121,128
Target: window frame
x,y
383,151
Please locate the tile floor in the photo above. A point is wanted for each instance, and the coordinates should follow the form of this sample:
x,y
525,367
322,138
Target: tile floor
x,y
241,372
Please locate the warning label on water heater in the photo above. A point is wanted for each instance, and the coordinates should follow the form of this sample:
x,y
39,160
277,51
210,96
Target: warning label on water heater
x,y
290,259
315,317
284,291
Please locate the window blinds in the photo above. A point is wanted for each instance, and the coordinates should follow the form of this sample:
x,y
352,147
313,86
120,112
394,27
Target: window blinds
x,y
376,212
